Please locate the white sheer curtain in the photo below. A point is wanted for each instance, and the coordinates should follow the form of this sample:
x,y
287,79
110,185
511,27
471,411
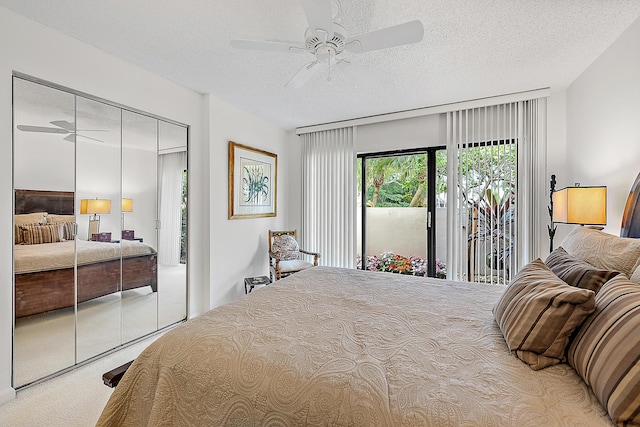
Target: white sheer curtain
x,y
171,167
329,193
496,128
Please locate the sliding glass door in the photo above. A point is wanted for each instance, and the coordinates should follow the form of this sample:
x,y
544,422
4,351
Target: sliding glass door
x,y
402,212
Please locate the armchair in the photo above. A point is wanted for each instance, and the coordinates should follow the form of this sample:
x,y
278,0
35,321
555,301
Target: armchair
x,y
285,256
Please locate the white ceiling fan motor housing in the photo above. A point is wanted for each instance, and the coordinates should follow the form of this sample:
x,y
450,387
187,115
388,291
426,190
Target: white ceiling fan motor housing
x,y
318,44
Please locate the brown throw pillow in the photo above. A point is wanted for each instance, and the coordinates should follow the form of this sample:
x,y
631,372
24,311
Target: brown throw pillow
x,y
576,272
34,234
22,219
606,350
538,312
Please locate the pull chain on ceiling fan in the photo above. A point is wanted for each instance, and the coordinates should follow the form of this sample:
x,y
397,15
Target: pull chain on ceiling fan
x,y
329,42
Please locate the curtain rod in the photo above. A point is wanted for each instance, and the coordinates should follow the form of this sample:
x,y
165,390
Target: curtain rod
x,y
426,111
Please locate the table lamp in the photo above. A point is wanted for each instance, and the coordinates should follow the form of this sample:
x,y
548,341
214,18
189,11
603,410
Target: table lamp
x,y
95,207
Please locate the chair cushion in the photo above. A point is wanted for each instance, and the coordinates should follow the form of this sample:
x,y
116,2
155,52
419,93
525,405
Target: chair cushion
x,y
294,265
285,248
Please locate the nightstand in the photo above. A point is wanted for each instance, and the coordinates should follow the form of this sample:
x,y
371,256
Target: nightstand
x,y
250,282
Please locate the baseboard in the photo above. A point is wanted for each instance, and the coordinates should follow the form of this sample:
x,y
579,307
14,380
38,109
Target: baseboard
x,y
6,395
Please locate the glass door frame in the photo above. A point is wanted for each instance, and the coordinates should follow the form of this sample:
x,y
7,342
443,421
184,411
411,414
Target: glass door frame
x,y
430,198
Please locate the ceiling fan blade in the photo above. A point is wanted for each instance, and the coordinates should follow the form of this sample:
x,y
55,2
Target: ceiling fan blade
x,y
64,125
88,137
303,76
319,15
398,35
43,129
266,46
72,138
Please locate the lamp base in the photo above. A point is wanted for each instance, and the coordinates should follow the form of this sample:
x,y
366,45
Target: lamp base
x,y
94,227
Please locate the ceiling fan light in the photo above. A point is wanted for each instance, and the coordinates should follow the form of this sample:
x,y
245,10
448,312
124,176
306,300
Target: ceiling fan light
x,y
326,54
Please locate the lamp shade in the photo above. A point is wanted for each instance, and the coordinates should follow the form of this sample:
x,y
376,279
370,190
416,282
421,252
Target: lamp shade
x,y
95,206
127,205
580,205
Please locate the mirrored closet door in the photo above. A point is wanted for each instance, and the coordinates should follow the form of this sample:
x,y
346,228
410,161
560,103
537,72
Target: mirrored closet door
x,y
99,226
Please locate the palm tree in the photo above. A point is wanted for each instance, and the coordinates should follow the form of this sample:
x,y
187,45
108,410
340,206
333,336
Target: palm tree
x,y
378,172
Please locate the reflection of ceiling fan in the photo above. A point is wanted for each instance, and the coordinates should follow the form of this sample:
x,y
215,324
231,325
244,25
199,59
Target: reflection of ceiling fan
x,y
328,41
63,127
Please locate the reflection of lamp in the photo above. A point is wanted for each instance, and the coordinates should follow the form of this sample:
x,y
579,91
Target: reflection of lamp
x,y
95,207
579,205
127,206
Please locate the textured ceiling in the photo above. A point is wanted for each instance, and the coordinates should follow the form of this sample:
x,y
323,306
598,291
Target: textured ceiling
x,y
471,49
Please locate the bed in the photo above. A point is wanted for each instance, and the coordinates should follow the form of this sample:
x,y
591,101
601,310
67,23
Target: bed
x,y
44,272
340,347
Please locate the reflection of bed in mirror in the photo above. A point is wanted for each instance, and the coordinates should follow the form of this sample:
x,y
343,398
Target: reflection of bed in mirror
x,y
631,216
44,272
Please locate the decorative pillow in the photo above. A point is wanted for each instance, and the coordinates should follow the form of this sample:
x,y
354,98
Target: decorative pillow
x,y
576,272
21,219
30,218
56,219
603,250
17,232
35,234
538,312
606,350
635,277
65,230
285,247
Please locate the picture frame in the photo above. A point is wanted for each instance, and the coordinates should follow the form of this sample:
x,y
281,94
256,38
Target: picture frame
x,y
253,178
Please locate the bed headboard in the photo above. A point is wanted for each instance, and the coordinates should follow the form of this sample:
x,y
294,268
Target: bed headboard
x,y
54,202
631,216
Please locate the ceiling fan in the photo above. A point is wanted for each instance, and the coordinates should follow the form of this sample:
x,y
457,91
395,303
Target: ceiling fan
x,y
62,127
329,42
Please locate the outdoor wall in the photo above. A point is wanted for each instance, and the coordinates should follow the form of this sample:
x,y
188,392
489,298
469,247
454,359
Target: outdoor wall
x,y
603,125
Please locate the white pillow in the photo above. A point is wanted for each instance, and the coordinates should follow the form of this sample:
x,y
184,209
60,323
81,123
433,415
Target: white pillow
x,y
603,250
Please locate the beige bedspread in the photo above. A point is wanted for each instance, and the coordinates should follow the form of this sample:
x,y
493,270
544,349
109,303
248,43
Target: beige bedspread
x,y
53,256
344,348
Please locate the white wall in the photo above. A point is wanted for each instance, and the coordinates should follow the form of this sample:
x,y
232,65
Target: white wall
x,y
239,246
30,48
416,132
603,124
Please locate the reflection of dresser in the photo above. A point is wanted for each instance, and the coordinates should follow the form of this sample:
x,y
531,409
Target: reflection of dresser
x,y
101,237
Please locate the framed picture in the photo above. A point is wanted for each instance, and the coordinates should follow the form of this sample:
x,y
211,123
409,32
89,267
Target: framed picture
x,y
252,182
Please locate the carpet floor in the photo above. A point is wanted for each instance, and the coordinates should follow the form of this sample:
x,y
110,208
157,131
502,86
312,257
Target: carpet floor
x,y
73,399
